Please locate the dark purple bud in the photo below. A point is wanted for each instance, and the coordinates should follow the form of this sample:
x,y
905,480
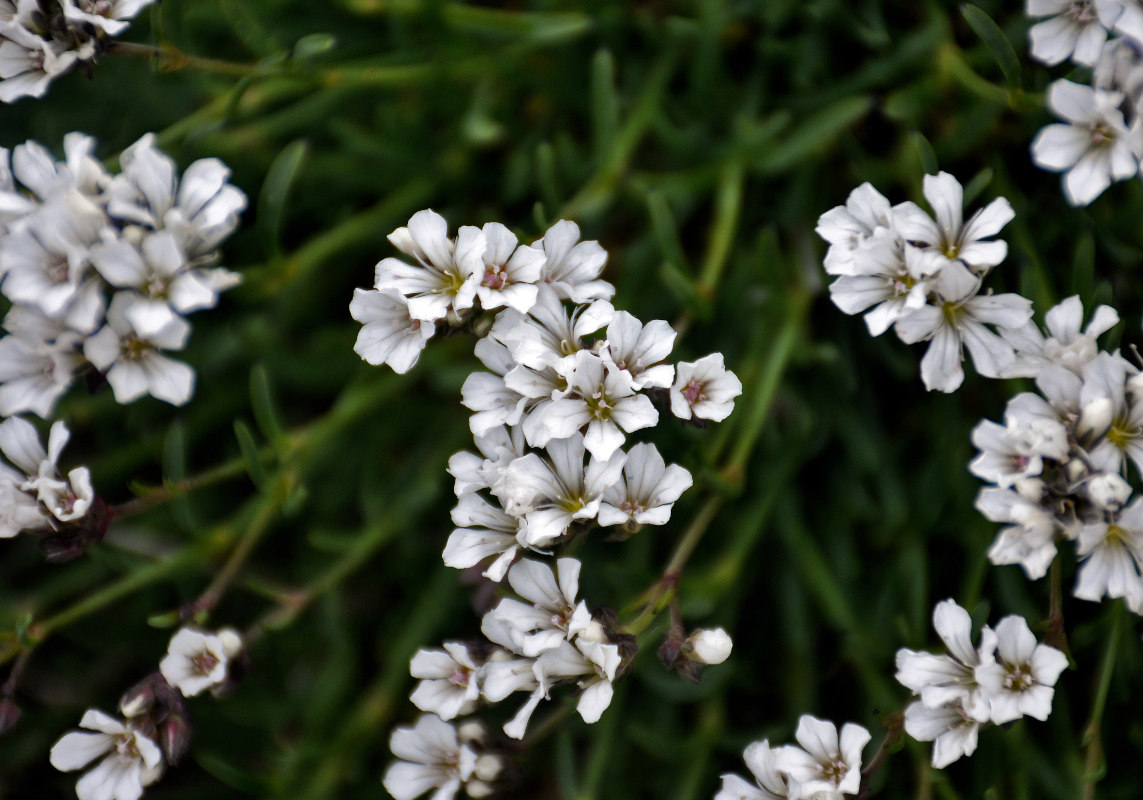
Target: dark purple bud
x,y
175,738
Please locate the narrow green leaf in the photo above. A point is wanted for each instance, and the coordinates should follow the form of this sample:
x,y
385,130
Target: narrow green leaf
x,y
925,153
997,42
546,174
265,408
815,133
166,619
275,192
604,103
1083,266
174,460
666,232
976,185
249,451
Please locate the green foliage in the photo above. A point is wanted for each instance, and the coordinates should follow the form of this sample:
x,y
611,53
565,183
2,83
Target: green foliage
x,y
698,141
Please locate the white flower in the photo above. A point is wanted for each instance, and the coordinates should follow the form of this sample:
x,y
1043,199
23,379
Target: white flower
x,y
109,16
483,530
572,267
131,760
946,680
488,394
889,275
601,400
704,389
553,615
35,370
1018,673
132,360
197,660
389,334
1064,345
637,349
848,228
447,272
648,491
825,767
770,781
66,500
200,209
28,63
549,335
1075,29
449,680
959,321
949,235
1095,147
509,273
1030,541
950,728
1111,555
431,758
1015,451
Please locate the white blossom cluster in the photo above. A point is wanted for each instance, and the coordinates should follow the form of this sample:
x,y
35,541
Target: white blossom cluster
x,y
1100,137
102,269
1009,676
1058,462
823,766
567,378
40,41
154,732
923,276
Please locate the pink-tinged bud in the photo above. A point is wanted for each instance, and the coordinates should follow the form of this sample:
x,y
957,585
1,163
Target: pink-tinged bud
x,y
670,651
9,715
175,738
139,699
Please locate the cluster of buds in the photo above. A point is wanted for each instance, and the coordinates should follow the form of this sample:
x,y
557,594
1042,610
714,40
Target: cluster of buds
x,y
41,40
101,269
155,729
567,378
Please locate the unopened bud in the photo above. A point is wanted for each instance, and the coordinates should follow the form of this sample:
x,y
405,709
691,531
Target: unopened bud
x,y
478,789
471,731
231,642
1108,491
9,715
139,699
488,767
175,738
709,646
1095,417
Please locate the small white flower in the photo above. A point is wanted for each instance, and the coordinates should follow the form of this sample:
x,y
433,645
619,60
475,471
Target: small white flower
x,y
431,757
509,273
1111,555
1064,345
763,762
826,766
131,760
66,500
389,334
133,361
1017,672
1075,29
449,680
704,389
948,234
551,616
1095,147
946,680
197,660
637,349
572,267
1031,540
949,727
849,228
648,491
483,530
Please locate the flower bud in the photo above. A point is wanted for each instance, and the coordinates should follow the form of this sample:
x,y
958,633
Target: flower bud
x,y
709,646
488,767
175,738
231,642
471,731
1095,417
139,699
478,789
1108,491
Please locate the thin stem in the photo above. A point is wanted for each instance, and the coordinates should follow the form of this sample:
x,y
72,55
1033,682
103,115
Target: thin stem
x,y
171,59
229,469
268,507
1092,740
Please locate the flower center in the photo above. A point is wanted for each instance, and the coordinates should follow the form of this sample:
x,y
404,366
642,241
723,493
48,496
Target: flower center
x,y
1019,678
204,662
693,392
495,278
1121,434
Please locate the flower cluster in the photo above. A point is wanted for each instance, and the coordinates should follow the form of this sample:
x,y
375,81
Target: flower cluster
x,y
39,41
71,234
923,276
1007,677
155,729
563,386
1100,138
435,754
824,767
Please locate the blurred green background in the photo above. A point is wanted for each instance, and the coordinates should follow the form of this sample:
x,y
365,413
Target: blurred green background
x,y
698,142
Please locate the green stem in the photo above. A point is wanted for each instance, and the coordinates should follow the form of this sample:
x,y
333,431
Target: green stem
x,y
171,59
230,469
1092,740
